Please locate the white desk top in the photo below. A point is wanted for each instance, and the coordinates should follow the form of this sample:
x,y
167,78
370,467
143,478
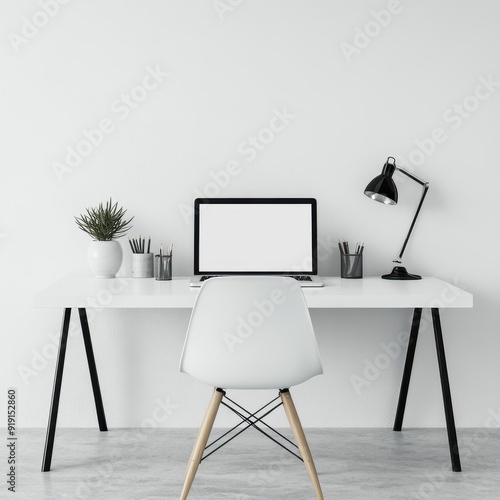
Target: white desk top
x,y
370,292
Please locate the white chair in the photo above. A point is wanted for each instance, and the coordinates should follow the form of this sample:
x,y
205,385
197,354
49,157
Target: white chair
x,y
250,333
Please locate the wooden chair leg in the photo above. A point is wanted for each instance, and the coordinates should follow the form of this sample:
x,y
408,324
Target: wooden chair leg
x,y
300,437
201,441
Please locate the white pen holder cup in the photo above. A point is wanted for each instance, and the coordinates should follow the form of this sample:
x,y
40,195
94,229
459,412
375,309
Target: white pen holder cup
x,y
163,267
142,265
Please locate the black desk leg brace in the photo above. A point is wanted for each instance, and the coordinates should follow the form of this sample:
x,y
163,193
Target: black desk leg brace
x,y
445,387
93,370
445,383
405,383
56,392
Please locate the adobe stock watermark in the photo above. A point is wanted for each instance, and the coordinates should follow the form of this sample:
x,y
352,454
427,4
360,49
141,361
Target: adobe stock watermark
x,y
373,369
249,150
40,358
98,477
253,144
393,350
265,477
223,7
468,447
245,327
122,107
364,35
454,117
30,27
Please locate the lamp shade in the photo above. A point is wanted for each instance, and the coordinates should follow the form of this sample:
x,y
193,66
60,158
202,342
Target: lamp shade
x,y
383,188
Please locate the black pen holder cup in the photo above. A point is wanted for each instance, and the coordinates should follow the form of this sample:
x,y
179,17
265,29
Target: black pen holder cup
x,y
163,267
351,265
142,265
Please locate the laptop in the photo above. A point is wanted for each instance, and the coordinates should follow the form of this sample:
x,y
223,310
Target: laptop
x,y
256,236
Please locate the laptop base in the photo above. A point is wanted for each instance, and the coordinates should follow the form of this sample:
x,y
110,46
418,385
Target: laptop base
x,y
304,280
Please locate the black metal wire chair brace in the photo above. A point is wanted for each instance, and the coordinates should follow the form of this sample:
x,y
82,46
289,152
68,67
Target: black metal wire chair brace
x,y
252,419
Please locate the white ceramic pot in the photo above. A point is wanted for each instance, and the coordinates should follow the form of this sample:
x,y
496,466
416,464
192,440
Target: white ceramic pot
x,y
105,258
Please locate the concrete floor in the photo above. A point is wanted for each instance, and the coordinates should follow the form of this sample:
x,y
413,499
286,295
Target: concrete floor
x,y
353,464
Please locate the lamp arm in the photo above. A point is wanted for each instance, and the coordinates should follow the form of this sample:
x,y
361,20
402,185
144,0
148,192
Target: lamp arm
x,y
425,185
412,177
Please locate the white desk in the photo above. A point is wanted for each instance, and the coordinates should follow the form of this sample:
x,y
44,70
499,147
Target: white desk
x,y
372,292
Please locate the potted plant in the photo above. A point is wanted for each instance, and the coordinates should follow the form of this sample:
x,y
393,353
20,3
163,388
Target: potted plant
x,y
104,224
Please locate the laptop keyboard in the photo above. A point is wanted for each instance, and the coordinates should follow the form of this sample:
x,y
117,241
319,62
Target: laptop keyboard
x,y
296,277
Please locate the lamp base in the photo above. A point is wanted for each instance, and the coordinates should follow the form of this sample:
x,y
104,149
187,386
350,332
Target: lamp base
x,y
400,273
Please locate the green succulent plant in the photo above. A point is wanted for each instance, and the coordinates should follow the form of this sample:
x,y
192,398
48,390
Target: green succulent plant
x,y
105,222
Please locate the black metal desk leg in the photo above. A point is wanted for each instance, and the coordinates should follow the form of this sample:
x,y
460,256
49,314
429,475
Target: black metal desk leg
x,y
56,392
445,386
93,370
405,383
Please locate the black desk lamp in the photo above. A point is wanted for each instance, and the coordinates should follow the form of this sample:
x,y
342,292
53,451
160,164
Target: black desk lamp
x,y
384,190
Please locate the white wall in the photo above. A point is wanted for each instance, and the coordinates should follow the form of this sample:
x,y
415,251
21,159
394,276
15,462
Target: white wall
x,y
225,79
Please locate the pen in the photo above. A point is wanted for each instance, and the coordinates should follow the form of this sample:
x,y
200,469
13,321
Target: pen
x,y
341,249
149,244
346,246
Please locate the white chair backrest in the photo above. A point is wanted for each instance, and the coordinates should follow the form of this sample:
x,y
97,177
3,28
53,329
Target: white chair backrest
x,y
251,333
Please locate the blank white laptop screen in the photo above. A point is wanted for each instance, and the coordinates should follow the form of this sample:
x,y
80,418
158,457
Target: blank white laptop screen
x,y
269,237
